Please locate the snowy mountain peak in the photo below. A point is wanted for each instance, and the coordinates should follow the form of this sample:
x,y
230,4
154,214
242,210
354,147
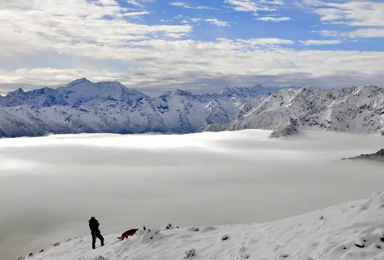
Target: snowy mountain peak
x,y
243,91
254,92
16,92
179,92
85,92
76,82
367,91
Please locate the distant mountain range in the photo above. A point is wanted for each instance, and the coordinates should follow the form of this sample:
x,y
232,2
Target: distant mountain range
x,y
110,107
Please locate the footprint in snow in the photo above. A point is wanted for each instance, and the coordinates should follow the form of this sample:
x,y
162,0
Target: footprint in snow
x,y
382,236
225,237
360,243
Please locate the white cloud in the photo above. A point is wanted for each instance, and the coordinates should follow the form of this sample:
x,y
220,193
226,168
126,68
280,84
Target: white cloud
x,y
244,5
367,14
273,19
360,33
135,14
328,33
139,3
353,13
320,42
254,5
266,41
60,44
211,21
367,33
43,25
181,4
195,65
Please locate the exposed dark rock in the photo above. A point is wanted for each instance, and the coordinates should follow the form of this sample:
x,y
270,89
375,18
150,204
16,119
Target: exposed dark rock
x,y
286,127
379,157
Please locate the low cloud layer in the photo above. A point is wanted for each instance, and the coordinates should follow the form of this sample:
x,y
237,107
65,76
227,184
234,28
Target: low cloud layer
x,y
51,186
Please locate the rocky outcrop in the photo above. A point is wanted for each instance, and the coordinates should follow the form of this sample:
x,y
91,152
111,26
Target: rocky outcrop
x,y
379,156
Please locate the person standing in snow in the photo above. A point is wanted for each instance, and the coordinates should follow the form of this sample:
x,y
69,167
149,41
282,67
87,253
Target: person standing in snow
x,y
94,226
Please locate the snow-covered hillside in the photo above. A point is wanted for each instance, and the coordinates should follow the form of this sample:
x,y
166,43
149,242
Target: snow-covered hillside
x,y
110,107
348,231
359,110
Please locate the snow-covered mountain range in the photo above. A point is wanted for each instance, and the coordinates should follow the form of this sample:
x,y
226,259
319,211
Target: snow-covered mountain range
x,y
348,231
110,107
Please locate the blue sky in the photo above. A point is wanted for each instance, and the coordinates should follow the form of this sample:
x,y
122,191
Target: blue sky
x,y
300,23
200,45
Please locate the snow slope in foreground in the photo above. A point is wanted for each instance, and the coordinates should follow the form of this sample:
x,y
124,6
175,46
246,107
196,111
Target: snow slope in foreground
x,y
351,230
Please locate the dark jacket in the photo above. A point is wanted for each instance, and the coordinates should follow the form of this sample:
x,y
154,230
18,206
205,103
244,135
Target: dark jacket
x,y
94,224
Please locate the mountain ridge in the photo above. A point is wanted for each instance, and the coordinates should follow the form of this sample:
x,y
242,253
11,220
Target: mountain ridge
x,y
109,107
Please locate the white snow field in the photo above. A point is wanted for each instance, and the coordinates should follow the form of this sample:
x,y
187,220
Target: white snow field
x,y
51,186
348,231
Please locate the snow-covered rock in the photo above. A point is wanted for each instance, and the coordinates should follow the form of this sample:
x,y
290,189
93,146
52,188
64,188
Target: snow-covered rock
x,y
110,107
359,110
348,231
286,127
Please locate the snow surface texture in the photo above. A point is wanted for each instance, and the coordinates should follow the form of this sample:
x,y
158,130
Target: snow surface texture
x,y
352,230
110,107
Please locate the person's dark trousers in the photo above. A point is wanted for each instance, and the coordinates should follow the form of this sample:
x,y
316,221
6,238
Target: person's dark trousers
x,y
96,234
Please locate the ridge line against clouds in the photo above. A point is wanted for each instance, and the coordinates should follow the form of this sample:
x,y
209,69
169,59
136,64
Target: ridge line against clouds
x,y
228,43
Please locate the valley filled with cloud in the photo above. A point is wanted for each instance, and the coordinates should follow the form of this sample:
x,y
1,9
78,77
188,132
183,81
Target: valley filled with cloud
x,y
52,184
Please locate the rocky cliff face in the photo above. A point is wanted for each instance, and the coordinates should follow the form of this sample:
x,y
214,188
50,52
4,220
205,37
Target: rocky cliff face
x,y
110,107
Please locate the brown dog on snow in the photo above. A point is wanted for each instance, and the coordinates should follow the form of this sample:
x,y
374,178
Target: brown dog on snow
x,y
127,234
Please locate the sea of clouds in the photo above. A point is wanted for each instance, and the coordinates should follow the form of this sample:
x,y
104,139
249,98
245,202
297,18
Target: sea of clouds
x,y
51,186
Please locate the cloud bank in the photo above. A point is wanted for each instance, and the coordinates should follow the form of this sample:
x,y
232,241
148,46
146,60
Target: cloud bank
x,y
51,186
